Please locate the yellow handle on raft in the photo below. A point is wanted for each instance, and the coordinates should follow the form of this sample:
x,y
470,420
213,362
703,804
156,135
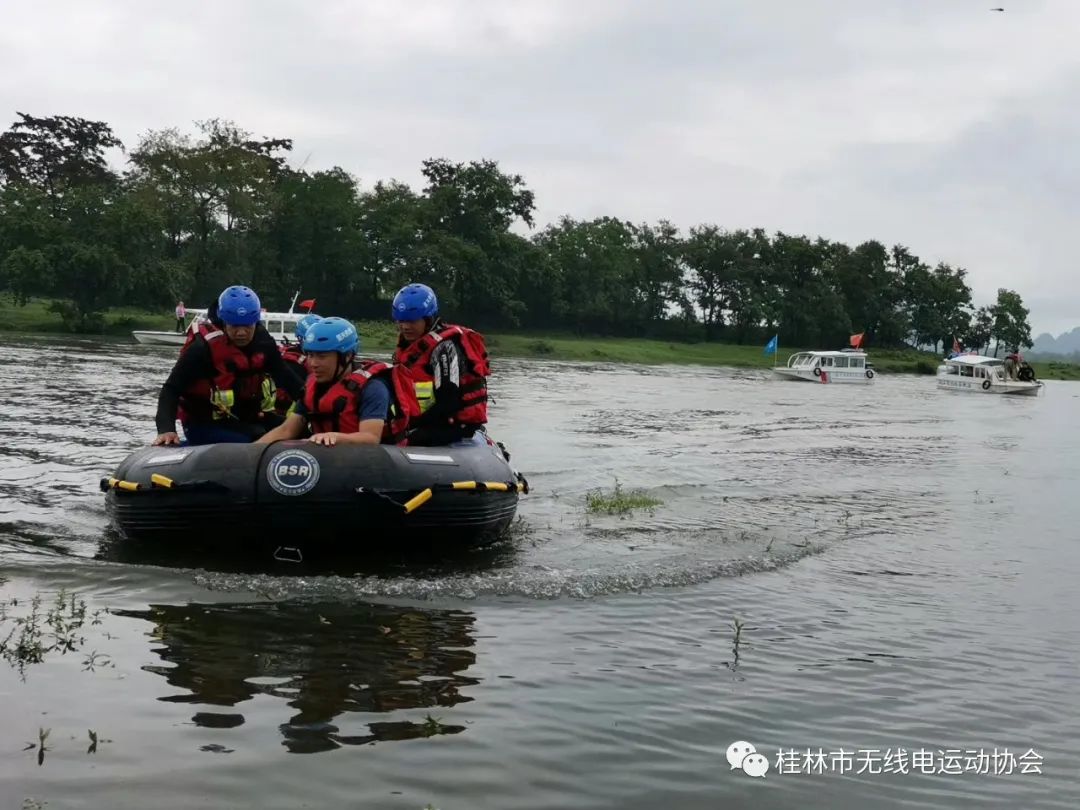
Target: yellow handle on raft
x,y
129,486
161,481
417,500
424,496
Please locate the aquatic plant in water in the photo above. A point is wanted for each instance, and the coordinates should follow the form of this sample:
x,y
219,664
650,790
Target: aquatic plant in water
x,y
619,501
29,637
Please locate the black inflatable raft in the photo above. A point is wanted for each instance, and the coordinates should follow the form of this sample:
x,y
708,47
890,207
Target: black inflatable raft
x,y
298,493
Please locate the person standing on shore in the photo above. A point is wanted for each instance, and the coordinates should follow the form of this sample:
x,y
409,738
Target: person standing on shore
x,y
181,312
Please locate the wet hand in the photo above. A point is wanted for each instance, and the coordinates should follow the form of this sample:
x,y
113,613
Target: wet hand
x,y
328,439
165,438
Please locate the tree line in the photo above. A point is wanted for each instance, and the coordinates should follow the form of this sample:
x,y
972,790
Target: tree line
x,y
189,214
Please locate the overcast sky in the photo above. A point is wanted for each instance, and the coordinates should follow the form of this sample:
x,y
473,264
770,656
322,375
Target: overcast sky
x,y
938,124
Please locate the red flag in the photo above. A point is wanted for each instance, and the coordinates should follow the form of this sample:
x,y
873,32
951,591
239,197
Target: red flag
x,y
856,340
955,345
309,304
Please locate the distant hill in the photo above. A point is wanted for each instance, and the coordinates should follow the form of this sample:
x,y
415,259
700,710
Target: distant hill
x,y
1067,343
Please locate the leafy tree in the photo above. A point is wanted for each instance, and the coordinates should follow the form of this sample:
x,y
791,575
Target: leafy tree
x,y
469,210
592,259
712,258
215,193
980,330
660,271
24,272
195,212
1010,322
56,153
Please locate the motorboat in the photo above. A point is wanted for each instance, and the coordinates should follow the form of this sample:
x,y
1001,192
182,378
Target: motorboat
x,y
977,374
281,326
844,366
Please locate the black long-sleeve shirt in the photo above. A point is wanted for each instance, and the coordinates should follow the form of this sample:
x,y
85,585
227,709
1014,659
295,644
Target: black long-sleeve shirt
x,y
196,364
436,426
445,368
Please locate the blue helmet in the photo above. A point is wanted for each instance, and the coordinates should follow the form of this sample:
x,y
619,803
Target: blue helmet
x,y
415,301
331,335
239,306
304,324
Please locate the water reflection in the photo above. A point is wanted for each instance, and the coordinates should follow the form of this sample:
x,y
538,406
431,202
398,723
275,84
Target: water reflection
x,y
323,660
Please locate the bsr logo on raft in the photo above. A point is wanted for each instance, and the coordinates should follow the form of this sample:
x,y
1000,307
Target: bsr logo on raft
x,y
294,472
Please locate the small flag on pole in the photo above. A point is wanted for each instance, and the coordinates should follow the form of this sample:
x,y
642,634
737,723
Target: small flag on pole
x,y
856,340
308,304
772,345
956,345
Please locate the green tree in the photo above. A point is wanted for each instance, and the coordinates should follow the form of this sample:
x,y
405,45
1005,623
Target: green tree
x,y
659,271
811,309
216,194
470,209
712,260
314,243
980,330
56,153
23,273
592,261
1010,322
872,291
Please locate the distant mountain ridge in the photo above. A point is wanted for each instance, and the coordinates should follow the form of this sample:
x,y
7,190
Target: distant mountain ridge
x,y
1066,343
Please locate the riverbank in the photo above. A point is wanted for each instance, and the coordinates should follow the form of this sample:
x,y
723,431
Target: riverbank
x,y
381,335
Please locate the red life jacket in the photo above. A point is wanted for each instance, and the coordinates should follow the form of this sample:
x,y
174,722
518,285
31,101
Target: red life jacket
x,y
290,353
234,371
416,357
294,359
338,410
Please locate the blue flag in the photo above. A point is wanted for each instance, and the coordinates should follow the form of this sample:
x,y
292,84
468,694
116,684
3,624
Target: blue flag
x,y
771,345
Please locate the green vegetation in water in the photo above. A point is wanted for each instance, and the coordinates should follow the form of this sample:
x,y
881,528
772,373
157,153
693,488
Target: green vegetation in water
x,y
619,501
432,726
43,734
27,637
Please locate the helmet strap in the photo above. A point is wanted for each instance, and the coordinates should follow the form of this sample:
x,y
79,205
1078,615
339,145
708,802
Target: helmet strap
x,y
344,364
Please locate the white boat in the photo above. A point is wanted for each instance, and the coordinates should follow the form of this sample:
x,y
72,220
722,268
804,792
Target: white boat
x,y
281,325
845,366
982,375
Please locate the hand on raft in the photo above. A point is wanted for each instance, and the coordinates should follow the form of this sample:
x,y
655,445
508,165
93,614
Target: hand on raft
x,y
328,439
165,438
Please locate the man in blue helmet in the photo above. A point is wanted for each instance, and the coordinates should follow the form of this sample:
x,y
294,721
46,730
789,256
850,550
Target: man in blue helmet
x,y
217,387
449,366
347,401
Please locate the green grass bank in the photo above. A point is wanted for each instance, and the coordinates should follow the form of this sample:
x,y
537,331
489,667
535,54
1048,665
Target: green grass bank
x,y
380,335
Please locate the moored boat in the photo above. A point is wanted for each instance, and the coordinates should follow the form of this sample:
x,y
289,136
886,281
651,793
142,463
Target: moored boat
x,y
974,373
845,366
280,325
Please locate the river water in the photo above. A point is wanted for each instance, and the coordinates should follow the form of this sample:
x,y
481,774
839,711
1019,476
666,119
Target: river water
x,y
858,570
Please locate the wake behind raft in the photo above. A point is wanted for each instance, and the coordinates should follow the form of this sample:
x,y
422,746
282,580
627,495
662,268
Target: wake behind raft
x,y
358,496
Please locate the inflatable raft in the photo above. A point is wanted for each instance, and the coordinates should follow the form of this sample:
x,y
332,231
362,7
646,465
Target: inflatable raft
x,y
294,494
